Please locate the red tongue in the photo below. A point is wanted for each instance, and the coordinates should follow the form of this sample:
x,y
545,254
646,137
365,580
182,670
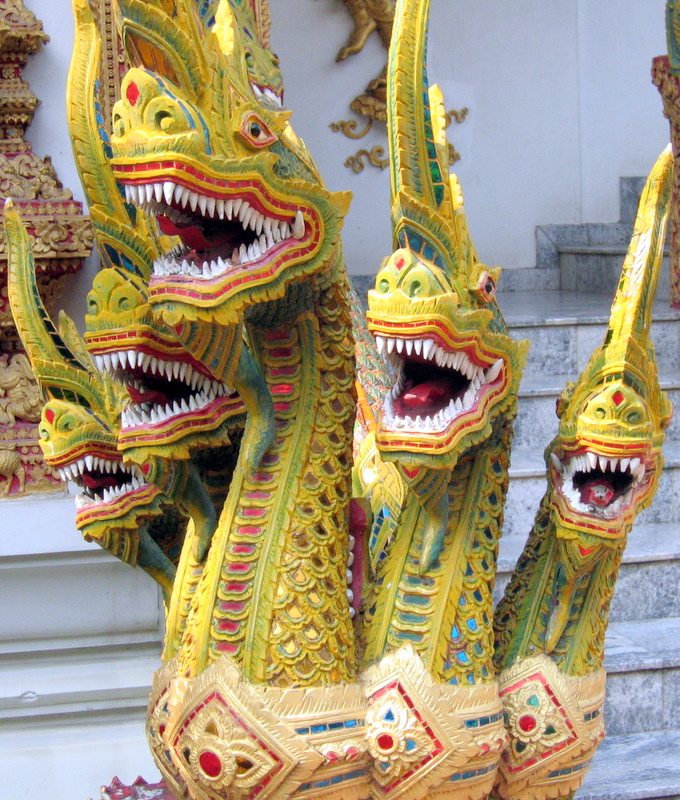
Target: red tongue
x,y
598,493
425,394
155,398
98,483
191,235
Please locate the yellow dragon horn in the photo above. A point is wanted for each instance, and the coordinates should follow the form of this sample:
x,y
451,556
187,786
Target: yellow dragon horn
x,y
627,349
58,371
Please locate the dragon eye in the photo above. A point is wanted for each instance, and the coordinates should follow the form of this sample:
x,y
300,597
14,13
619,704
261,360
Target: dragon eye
x,y
487,287
255,133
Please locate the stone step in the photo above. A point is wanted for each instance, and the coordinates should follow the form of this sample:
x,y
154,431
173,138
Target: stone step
x,y
642,659
528,484
537,423
597,268
649,574
640,767
565,328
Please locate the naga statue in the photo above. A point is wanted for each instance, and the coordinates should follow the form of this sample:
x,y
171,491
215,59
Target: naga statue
x,y
319,493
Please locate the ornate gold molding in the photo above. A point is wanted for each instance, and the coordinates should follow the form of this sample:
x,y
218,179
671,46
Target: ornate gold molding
x,y
61,237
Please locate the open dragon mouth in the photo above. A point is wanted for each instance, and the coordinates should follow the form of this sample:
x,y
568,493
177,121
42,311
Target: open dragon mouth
x,y
220,234
102,480
434,386
261,90
160,390
598,485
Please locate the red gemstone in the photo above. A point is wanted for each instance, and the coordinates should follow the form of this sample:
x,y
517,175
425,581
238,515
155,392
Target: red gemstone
x,y
399,263
210,763
527,723
146,468
50,415
618,398
411,472
385,742
161,730
132,93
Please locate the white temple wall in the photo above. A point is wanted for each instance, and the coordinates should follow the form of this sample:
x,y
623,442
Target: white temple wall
x,y
561,105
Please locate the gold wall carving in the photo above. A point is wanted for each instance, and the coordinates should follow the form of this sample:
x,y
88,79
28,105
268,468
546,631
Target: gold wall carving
x,y
375,16
61,237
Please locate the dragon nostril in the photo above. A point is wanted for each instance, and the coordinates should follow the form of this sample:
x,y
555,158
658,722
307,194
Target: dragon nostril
x,y
600,412
163,120
384,286
633,417
118,125
414,288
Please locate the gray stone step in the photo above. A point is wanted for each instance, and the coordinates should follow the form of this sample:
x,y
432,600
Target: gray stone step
x,y
597,267
565,327
648,579
639,767
642,659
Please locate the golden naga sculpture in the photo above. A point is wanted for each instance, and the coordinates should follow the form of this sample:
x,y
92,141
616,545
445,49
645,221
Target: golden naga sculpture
x,y
321,508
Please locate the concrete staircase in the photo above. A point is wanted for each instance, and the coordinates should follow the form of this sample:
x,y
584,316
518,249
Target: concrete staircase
x,y
640,758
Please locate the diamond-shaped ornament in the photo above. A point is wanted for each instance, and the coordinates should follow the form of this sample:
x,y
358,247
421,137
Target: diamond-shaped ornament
x,y
226,744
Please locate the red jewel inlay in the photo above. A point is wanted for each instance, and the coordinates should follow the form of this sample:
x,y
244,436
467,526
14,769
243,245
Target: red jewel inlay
x,y
527,723
411,472
132,93
146,468
585,551
50,415
399,263
618,398
210,763
161,729
385,742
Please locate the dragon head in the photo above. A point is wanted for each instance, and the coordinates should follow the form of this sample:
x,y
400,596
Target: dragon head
x,y
174,405
606,461
79,423
201,144
433,309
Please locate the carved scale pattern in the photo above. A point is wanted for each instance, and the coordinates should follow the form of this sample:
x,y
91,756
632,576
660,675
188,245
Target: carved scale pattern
x,y
284,523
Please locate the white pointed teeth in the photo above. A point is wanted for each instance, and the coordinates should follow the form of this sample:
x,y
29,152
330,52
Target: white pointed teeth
x,y
204,391
589,462
267,93
298,226
178,203
400,351
129,479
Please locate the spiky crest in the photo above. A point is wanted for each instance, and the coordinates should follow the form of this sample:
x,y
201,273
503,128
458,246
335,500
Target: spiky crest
x,y
61,373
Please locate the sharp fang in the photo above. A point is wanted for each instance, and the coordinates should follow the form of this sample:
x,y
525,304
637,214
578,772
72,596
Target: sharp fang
x,y
428,344
299,226
494,371
168,191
